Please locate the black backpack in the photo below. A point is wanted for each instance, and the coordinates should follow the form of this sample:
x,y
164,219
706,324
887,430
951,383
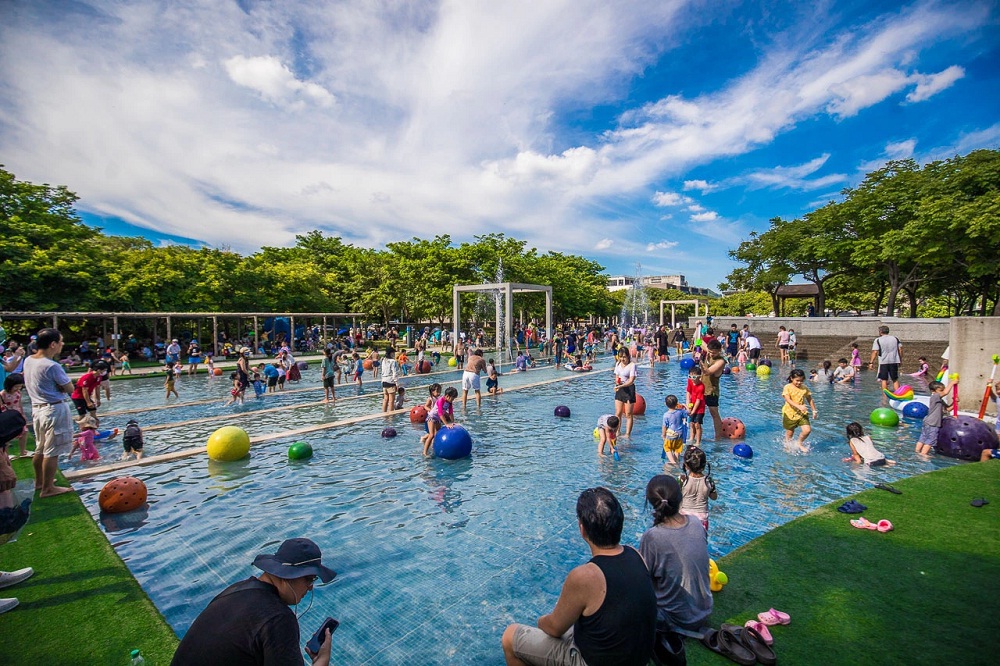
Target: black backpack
x,y
133,434
11,426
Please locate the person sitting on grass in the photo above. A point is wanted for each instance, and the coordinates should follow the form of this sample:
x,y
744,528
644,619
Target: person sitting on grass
x,y
863,449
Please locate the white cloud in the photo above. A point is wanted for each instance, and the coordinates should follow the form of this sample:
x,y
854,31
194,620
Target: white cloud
x,y
662,245
929,85
900,150
666,199
860,92
794,177
703,185
604,244
695,208
707,216
274,81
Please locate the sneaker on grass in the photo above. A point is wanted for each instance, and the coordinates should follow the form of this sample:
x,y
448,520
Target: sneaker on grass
x,y
7,604
8,578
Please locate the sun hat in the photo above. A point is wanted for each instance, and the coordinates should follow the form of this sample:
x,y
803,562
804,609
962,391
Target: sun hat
x,y
295,558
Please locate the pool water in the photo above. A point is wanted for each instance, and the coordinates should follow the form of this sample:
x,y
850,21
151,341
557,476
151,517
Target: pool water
x,y
435,557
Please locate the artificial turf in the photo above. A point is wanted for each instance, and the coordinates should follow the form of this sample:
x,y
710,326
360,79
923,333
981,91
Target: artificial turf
x,y
926,593
82,606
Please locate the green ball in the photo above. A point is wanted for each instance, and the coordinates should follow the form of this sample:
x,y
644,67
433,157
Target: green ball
x,y
300,451
751,367
721,578
883,416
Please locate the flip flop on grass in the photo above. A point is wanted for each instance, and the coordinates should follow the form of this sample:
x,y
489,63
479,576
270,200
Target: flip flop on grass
x,y
729,647
882,486
884,526
979,502
862,523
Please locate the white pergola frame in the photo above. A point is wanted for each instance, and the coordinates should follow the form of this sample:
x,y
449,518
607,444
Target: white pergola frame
x,y
508,289
673,310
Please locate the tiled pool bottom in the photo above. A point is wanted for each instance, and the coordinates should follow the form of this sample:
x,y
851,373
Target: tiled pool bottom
x,y
436,557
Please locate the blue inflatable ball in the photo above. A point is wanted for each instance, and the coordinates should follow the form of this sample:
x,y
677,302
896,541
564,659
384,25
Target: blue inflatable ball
x,y
687,363
727,370
914,410
743,451
452,443
883,416
388,433
562,411
766,362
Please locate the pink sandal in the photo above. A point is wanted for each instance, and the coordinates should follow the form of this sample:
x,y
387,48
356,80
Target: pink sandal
x,y
773,617
863,523
761,629
884,526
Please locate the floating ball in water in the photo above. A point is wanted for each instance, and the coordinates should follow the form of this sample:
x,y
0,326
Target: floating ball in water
x,y
965,438
452,443
766,363
418,414
302,365
597,433
763,371
424,367
914,410
562,411
751,367
639,408
228,443
367,364
743,451
883,416
736,369
727,370
300,451
733,428
388,433
452,361
217,372
687,363
122,494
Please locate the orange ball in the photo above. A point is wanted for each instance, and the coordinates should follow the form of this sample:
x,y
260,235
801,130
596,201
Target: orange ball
x,y
367,364
122,494
639,408
736,369
733,428
418,414
217,372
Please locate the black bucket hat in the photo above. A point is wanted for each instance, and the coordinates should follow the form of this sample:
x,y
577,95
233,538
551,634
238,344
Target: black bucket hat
x,y
295,558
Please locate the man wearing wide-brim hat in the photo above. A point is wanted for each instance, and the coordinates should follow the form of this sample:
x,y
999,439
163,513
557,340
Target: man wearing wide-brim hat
x,y
250,622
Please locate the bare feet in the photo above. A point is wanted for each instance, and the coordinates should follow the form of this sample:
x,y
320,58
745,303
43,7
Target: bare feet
x,y
54,490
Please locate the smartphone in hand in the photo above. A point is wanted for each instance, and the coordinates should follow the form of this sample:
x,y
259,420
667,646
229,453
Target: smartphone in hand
x,y
317,638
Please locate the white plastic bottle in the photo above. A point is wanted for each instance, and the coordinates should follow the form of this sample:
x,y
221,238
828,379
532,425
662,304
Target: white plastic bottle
x,y
137,659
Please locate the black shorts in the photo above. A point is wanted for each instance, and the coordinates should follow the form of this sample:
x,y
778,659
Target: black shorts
x,y
626,394
81,407
272,381
732,350
782,346
888,371
698,418
754,354
711,401
281,381
328,382
877,463
131,446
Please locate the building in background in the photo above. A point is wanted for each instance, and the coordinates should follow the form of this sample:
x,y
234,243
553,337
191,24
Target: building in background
x,y
678,282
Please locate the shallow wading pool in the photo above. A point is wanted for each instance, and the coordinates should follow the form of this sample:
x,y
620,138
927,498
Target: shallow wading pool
x,y
434,557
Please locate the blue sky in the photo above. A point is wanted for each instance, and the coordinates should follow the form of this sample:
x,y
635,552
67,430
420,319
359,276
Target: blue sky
x,y
657,133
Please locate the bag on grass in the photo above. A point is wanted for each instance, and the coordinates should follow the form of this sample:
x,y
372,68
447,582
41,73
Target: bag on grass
x,y
15,507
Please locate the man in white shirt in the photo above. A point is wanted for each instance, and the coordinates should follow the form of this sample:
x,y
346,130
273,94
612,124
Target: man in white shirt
x,y
49,388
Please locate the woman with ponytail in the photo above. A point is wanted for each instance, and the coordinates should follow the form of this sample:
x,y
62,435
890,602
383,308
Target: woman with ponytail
x,y
675,549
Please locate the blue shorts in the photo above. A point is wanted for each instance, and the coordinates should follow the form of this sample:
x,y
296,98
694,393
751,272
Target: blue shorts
x,y
929,435
194,360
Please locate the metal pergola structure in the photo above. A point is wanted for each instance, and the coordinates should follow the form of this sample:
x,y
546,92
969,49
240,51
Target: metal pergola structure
x,y
673,310
508,289
115,318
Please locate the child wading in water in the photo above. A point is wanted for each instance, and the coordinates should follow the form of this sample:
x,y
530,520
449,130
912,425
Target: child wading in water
x,y
696,487
433,422
673,430
492,379
84,440
932,422
169,383
795,412
445,416
607,432
696,404
863,449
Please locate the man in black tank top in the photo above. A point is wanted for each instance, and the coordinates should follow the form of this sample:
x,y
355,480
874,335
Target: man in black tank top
x,y
606,613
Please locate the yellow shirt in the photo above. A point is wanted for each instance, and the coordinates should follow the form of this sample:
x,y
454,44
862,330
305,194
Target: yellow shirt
x,y
800,396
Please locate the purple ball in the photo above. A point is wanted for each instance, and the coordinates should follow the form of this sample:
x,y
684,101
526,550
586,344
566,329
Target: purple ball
x,y
965,438
388,433
766,362
562,411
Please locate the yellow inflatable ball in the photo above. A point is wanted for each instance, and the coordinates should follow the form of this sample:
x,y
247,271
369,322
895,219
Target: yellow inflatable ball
x,y
229,443
452,362
763,371
597,433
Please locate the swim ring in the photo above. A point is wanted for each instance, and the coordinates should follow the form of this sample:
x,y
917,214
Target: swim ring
x,y
904,392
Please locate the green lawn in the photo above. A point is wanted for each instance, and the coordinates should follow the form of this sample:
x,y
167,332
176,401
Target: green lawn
x,y
925,593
